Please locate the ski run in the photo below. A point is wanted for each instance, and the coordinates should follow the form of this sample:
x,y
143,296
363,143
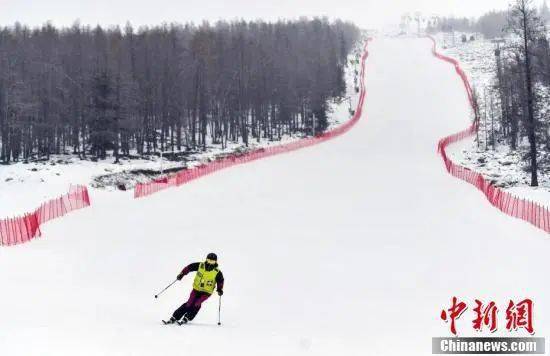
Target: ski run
x,y
349,247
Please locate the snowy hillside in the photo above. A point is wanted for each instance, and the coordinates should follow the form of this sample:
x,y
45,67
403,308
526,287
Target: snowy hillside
x,y
350,247
501,165
25,185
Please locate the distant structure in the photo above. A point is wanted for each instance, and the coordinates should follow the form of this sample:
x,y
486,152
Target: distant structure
x,y
417,22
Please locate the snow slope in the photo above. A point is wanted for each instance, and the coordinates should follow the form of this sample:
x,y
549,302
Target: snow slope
x,y
350,247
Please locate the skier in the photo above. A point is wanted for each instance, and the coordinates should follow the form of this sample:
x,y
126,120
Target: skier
x,y
208,276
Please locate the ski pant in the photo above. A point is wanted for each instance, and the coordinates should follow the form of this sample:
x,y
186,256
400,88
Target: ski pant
x,y
192,306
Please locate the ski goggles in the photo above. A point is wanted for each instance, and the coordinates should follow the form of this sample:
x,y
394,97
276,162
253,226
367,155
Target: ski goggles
x,y
211,262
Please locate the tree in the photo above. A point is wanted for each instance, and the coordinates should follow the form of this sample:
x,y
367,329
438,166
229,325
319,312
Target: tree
x,y
492,24
170,87
525,23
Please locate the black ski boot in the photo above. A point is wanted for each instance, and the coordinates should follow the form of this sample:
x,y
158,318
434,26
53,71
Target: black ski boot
x,y
184,320
171,321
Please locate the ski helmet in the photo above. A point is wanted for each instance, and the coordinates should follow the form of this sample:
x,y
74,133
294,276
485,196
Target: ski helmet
x,y
212,256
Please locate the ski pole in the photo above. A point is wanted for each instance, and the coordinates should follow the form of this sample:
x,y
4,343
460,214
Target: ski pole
x,y
220,311
162,291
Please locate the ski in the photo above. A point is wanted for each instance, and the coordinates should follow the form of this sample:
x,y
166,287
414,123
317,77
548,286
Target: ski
x,y
179,322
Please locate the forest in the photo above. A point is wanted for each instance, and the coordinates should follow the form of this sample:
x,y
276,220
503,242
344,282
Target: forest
x,y
99,92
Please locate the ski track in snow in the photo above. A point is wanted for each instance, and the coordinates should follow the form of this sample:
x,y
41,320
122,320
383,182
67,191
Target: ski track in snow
x,y
353,246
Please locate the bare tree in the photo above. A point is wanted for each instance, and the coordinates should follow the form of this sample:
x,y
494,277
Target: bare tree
x,y
174,87
525,23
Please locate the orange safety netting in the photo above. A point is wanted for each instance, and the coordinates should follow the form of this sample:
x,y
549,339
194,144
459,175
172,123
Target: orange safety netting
x,y
22,229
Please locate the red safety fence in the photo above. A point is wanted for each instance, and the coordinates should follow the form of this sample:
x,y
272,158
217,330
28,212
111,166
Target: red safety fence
x,y
185,176
22,229
519,208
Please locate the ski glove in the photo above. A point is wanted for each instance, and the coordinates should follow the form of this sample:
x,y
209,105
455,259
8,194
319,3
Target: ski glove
x,y
180,276
220,292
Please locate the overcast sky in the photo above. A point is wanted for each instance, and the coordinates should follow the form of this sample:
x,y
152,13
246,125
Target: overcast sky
x,y
366,13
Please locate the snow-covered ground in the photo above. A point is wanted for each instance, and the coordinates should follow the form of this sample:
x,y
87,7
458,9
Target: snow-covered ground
x,y
24,186
352,247
504,167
